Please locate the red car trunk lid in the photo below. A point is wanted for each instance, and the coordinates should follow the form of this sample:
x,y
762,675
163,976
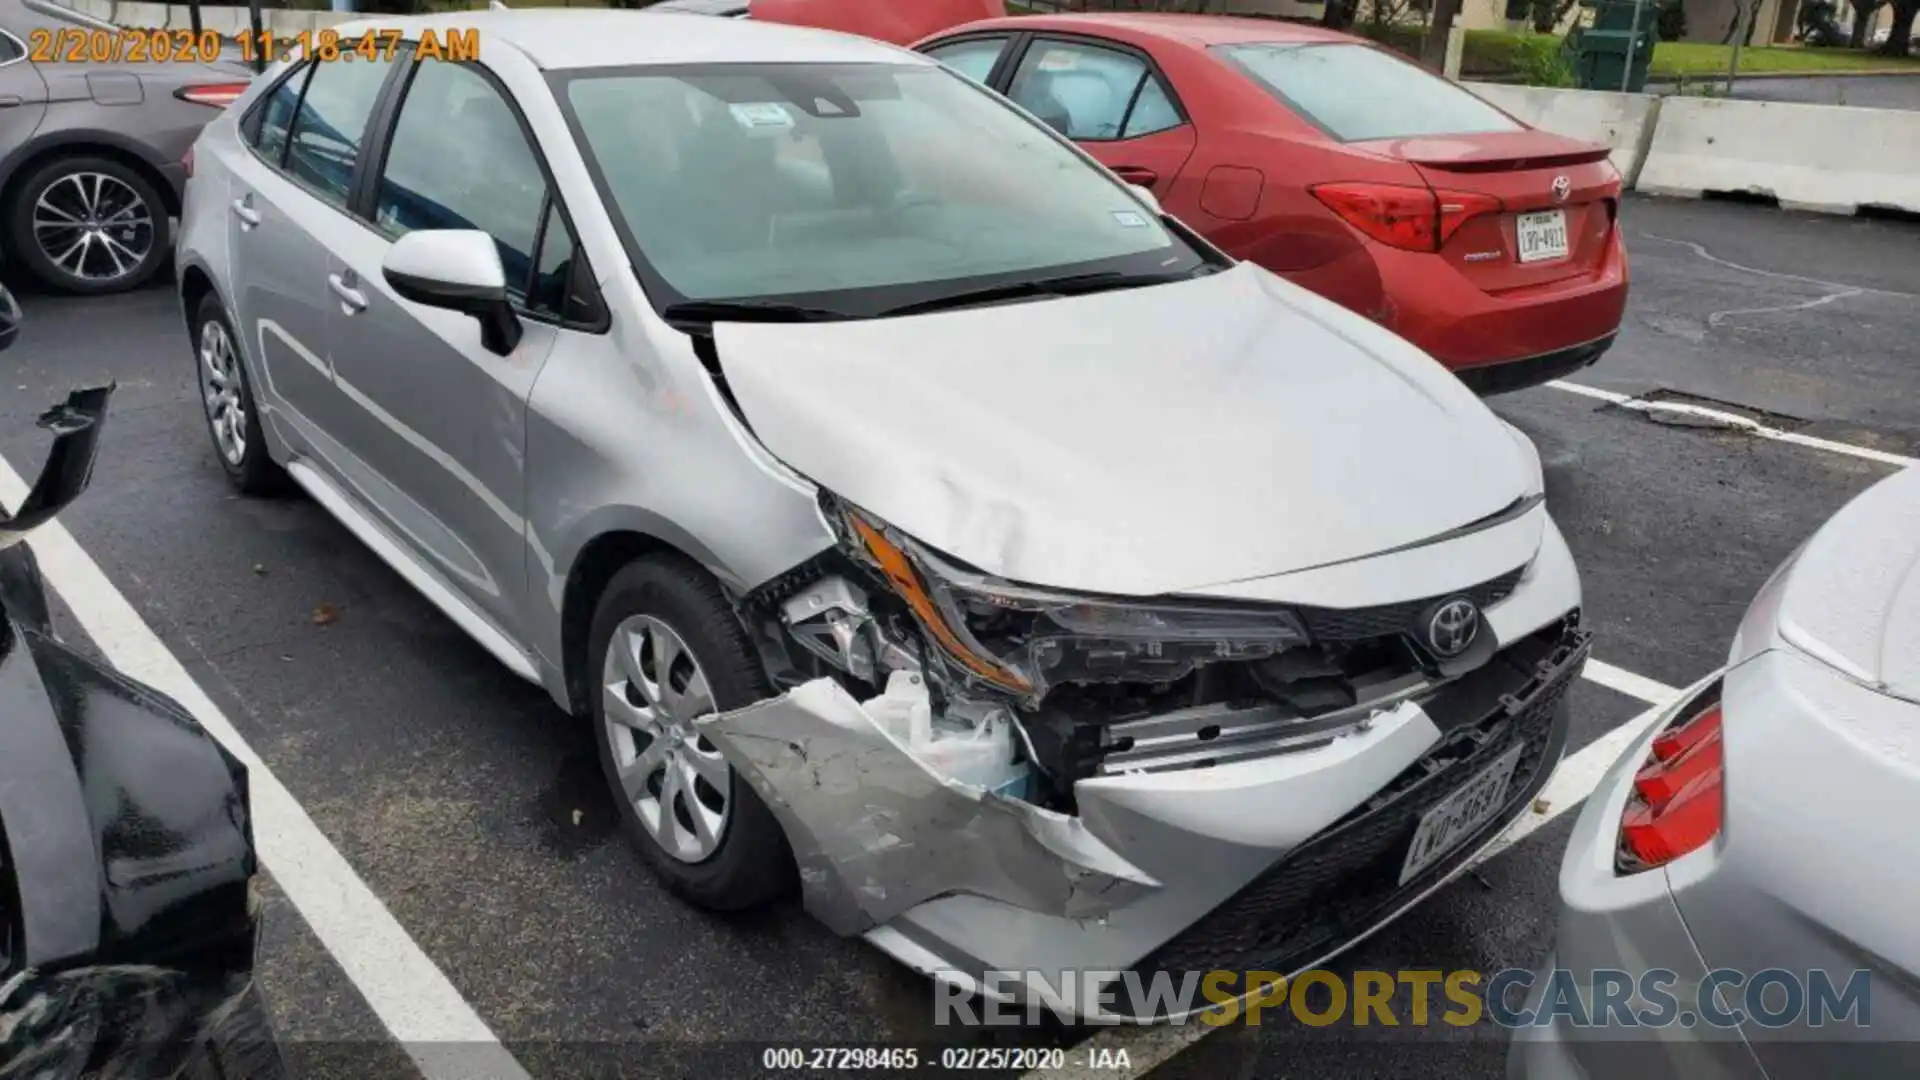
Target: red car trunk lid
x,y
1555,192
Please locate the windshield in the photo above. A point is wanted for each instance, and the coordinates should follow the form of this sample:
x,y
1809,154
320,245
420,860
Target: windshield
x,y
1403,100
862,187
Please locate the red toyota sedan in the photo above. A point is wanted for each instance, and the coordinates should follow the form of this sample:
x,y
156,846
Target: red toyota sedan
x,y
1492,245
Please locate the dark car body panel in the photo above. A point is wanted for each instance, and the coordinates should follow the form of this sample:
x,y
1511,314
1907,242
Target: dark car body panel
x,y
127,913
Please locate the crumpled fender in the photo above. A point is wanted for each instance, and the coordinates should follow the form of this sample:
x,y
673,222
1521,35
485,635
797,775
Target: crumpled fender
x,y
876,832
69,466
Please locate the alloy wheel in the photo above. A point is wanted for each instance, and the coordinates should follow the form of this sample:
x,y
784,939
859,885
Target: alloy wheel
x,y
93,226
220,377
653,690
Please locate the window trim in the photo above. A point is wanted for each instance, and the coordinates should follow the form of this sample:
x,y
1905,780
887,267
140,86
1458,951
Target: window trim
x,y
251,120
18,44
366,195
1094,41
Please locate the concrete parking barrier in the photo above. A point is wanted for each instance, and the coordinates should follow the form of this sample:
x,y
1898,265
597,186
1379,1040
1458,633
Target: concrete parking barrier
x,y
1624,122
1831,158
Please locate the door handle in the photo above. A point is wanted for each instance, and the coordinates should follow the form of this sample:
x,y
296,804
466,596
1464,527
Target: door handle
x,y
1138,175
11,101
243,209
352,300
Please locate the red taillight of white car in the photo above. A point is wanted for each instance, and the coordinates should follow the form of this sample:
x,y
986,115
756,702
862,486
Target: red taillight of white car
x,y
1676,803
213,95
1398,215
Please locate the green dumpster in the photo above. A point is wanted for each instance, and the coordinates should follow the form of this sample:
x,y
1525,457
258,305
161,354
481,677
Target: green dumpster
x,y
1613,46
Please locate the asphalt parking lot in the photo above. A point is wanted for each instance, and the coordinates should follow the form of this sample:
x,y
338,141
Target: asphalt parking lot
x,y
473,811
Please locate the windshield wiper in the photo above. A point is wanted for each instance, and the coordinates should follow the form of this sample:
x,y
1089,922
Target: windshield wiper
x,y
708,312
1065,285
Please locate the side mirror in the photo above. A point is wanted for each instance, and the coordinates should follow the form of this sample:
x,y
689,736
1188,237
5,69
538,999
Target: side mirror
x,y
69,466
1147,196
9,318
456,269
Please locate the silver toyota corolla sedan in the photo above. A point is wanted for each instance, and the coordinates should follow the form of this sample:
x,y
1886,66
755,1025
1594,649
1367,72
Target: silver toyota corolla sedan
x,y
1743,875
917,515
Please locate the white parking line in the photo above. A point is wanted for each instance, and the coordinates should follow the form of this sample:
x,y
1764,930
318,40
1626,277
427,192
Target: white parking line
x,y
1149,1047
410,995
1736,422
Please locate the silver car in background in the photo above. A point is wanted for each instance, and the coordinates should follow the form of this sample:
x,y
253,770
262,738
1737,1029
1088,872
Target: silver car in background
x,y
94,130
1762,830
916,514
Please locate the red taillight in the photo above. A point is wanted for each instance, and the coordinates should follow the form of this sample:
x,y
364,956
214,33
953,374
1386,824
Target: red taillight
x,y
186,162
1411,218
1676,803
214,95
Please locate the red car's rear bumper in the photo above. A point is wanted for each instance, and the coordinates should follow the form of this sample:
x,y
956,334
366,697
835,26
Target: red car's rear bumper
x,y
1429,303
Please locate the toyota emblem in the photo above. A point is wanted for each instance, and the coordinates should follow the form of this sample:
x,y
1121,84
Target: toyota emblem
x,y
1562,187
1453,627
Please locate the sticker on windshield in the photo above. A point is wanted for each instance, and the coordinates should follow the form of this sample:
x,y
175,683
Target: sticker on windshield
x,y
761,114
1129,220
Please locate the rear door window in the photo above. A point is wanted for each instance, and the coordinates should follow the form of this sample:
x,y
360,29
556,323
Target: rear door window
x,y
973,58
324,146
1357,92
1088,92
272,119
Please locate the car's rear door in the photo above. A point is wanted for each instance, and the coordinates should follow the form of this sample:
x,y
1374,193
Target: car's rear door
x,y
23,95
287,195
438,422
1110,99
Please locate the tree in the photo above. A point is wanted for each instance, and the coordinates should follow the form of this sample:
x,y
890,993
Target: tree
x,y
1549,14
1863,13
1339,14
1900,41
1434,52
1733,24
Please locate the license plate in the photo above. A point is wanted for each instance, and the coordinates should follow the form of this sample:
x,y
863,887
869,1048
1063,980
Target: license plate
x,y
1541,236
1460,814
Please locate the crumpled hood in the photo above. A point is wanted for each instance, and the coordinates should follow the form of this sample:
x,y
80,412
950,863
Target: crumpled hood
x,y
1137,442
1852,597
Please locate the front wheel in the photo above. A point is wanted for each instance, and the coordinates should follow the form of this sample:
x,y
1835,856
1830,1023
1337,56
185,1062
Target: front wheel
x,y
667,650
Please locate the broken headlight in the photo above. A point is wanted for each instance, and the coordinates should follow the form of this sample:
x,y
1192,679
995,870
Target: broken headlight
x,y
1021,640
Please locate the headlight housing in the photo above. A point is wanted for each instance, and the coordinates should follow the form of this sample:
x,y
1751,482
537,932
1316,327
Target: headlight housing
x,y
1020,640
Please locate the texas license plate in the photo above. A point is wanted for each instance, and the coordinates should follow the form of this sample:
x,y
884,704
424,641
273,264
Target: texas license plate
x,y
1541,236
1460,814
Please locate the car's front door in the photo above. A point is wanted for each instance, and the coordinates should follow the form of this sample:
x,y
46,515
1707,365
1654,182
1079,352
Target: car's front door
x,y
287,197
438,419
1110,100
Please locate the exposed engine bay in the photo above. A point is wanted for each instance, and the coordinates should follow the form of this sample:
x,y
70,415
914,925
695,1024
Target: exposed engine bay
x,y
1024,692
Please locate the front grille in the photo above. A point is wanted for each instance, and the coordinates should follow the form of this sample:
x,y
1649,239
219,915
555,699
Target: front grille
x,y
1343,881
1358,624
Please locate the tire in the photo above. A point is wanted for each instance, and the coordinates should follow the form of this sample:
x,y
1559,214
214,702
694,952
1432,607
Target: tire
x,y
111,260
747,863
238,443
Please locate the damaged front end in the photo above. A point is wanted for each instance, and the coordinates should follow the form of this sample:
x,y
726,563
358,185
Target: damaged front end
x,y
128,916
945,733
